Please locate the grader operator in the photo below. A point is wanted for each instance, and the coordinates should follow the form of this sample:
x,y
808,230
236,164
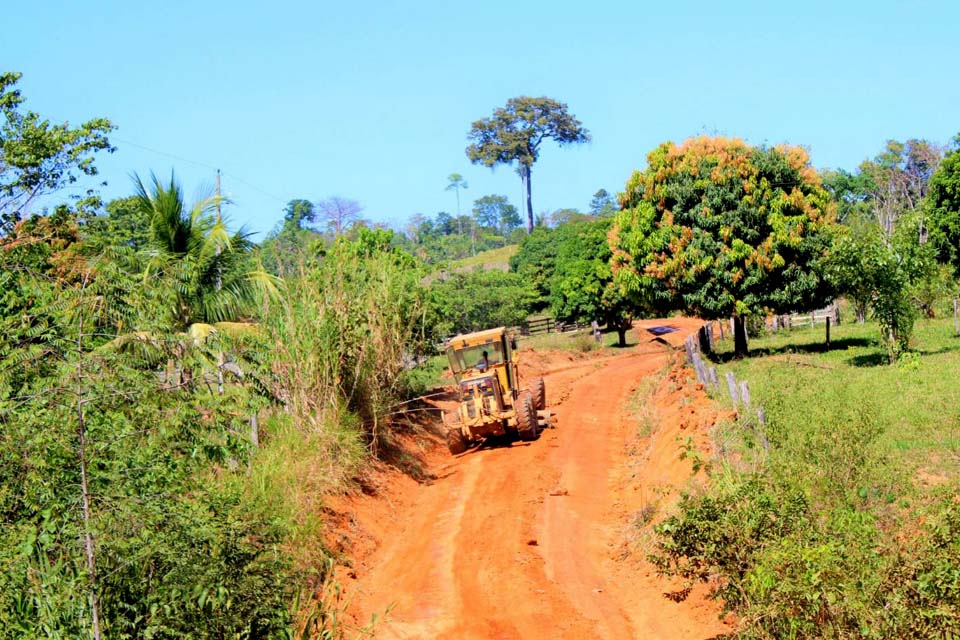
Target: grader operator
x,y
492,401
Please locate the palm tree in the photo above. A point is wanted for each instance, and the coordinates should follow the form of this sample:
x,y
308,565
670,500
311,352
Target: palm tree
x,y
214,284
213,276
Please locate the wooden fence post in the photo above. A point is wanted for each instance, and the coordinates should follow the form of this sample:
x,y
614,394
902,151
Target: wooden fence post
x,y
703,338
701,369
732,386
744,393
956,319
828,332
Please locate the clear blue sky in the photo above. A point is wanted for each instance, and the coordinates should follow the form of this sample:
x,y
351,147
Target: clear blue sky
x,y
373,100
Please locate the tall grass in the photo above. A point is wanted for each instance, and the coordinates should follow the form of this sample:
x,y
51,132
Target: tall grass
x,y
339,338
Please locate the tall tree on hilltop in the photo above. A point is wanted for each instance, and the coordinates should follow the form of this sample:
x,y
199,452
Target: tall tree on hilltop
x,y
455,182
721,229
515,132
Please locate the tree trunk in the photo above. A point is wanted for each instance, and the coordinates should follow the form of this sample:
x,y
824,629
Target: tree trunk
x,y
525,176
622,336
740,336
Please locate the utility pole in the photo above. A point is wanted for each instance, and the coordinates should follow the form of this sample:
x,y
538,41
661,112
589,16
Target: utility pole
x,y
220,359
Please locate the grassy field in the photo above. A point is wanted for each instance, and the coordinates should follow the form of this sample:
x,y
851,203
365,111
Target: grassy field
x,y
489,260
913,404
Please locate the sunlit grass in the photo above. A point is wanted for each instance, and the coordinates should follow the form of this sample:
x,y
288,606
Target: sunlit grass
x,y
490,259
915,403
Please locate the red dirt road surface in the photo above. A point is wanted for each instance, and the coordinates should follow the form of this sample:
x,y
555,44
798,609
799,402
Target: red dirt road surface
x,y
526,540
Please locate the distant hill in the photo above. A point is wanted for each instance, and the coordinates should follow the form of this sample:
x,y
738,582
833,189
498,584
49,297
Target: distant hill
x,y
493,259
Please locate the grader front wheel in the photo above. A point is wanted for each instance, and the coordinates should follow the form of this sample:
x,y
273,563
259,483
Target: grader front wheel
x,y
540,395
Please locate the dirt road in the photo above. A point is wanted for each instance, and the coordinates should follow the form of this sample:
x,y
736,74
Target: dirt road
x,y
520,541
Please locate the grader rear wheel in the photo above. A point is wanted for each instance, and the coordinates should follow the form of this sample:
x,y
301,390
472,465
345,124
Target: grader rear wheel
x,y
526,418
540,395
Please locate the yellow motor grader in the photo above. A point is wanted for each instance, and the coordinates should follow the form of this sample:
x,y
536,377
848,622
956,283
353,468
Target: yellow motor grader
x,y
492,401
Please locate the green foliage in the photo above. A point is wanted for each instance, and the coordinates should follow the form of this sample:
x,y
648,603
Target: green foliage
x,y
535,260
496,212
582,287
95,445
464,302
125,224
942,209
851,192
446,238
603,204
568,216
898,277
40,157
514,134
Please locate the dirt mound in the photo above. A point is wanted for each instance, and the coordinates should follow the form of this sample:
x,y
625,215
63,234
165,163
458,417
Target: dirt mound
x,y
523,540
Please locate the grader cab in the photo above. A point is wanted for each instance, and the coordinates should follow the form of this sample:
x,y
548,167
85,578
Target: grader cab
x,y
492,400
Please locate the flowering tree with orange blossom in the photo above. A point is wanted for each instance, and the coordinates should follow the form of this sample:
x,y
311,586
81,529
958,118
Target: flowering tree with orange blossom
x,y
721,229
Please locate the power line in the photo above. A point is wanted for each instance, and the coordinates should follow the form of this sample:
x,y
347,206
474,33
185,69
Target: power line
x,y
202,164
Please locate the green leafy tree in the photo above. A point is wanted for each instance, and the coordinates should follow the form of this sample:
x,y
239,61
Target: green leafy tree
x,y
535,261
280,249
603,204
445,224
717,228
496,212
942,209
569,216
40,157
852,193
897,277
515,132
462,302
124,224
582,286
